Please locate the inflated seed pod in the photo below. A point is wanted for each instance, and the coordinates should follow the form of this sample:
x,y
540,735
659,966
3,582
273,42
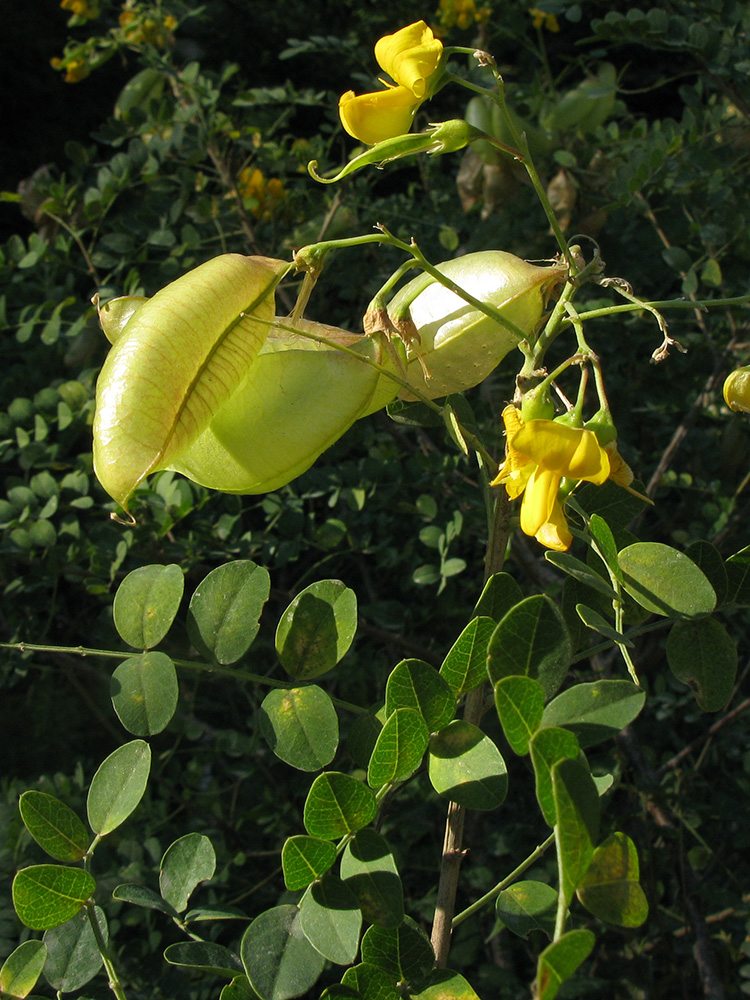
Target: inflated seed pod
x,y
175,362
458,345
737,389
298,399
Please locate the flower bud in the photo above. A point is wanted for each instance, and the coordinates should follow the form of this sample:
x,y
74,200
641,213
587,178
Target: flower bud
x,y
737,390
536,404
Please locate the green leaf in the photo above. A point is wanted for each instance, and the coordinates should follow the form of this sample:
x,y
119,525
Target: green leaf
x,y
340,992
370,982
183,354
204,955
610,889
225,610
560,960
317,629
665,581
400,748
547,747
199,914
415,684
520,706
279,961
605,540
337,804
47,895
238,989
300,725
146,604
118,786
404,952
738,577
703,655
304,859
54,826
593,620
369,869
581,572
595,711
500,594
141,895
22,968
466,767
465,666
73,956
528,906
144,692
612,502
443,984
708,559
186,863
531,640
331,919
577,805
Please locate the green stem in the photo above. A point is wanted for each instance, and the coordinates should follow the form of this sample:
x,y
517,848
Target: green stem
x,y
508,880
207,668
739,300
562,906
114,982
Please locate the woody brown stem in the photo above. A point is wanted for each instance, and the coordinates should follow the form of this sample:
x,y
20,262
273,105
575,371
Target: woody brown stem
x,y
453,851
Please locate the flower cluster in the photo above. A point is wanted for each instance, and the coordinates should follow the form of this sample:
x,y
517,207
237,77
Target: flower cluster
x,y
412,58
544,20
81,8
540,454
265,193
461,14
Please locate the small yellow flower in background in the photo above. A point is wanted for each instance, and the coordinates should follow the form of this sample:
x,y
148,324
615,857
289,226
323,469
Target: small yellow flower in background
x,y
461,14
81,7
544,20
411,57
265,192
540,454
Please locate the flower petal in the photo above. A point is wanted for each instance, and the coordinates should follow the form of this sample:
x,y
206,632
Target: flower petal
x,y
410,56
384,114
539,499
554,533
570,451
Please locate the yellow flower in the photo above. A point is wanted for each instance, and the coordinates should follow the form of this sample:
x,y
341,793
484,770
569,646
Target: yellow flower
x,y
462,14
411,57
80,7
372,118
544,20
265,192
540,454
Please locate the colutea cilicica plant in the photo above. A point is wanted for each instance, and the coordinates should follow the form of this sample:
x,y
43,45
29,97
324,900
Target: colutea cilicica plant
x,y
206,379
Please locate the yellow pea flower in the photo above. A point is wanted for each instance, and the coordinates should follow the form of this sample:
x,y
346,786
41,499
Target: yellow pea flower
x,y
544,20
540,454
372,118
410,56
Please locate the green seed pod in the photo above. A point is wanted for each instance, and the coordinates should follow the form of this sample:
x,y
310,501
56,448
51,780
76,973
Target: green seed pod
x,y
737,390
115,314
298,399
178,359
458,344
